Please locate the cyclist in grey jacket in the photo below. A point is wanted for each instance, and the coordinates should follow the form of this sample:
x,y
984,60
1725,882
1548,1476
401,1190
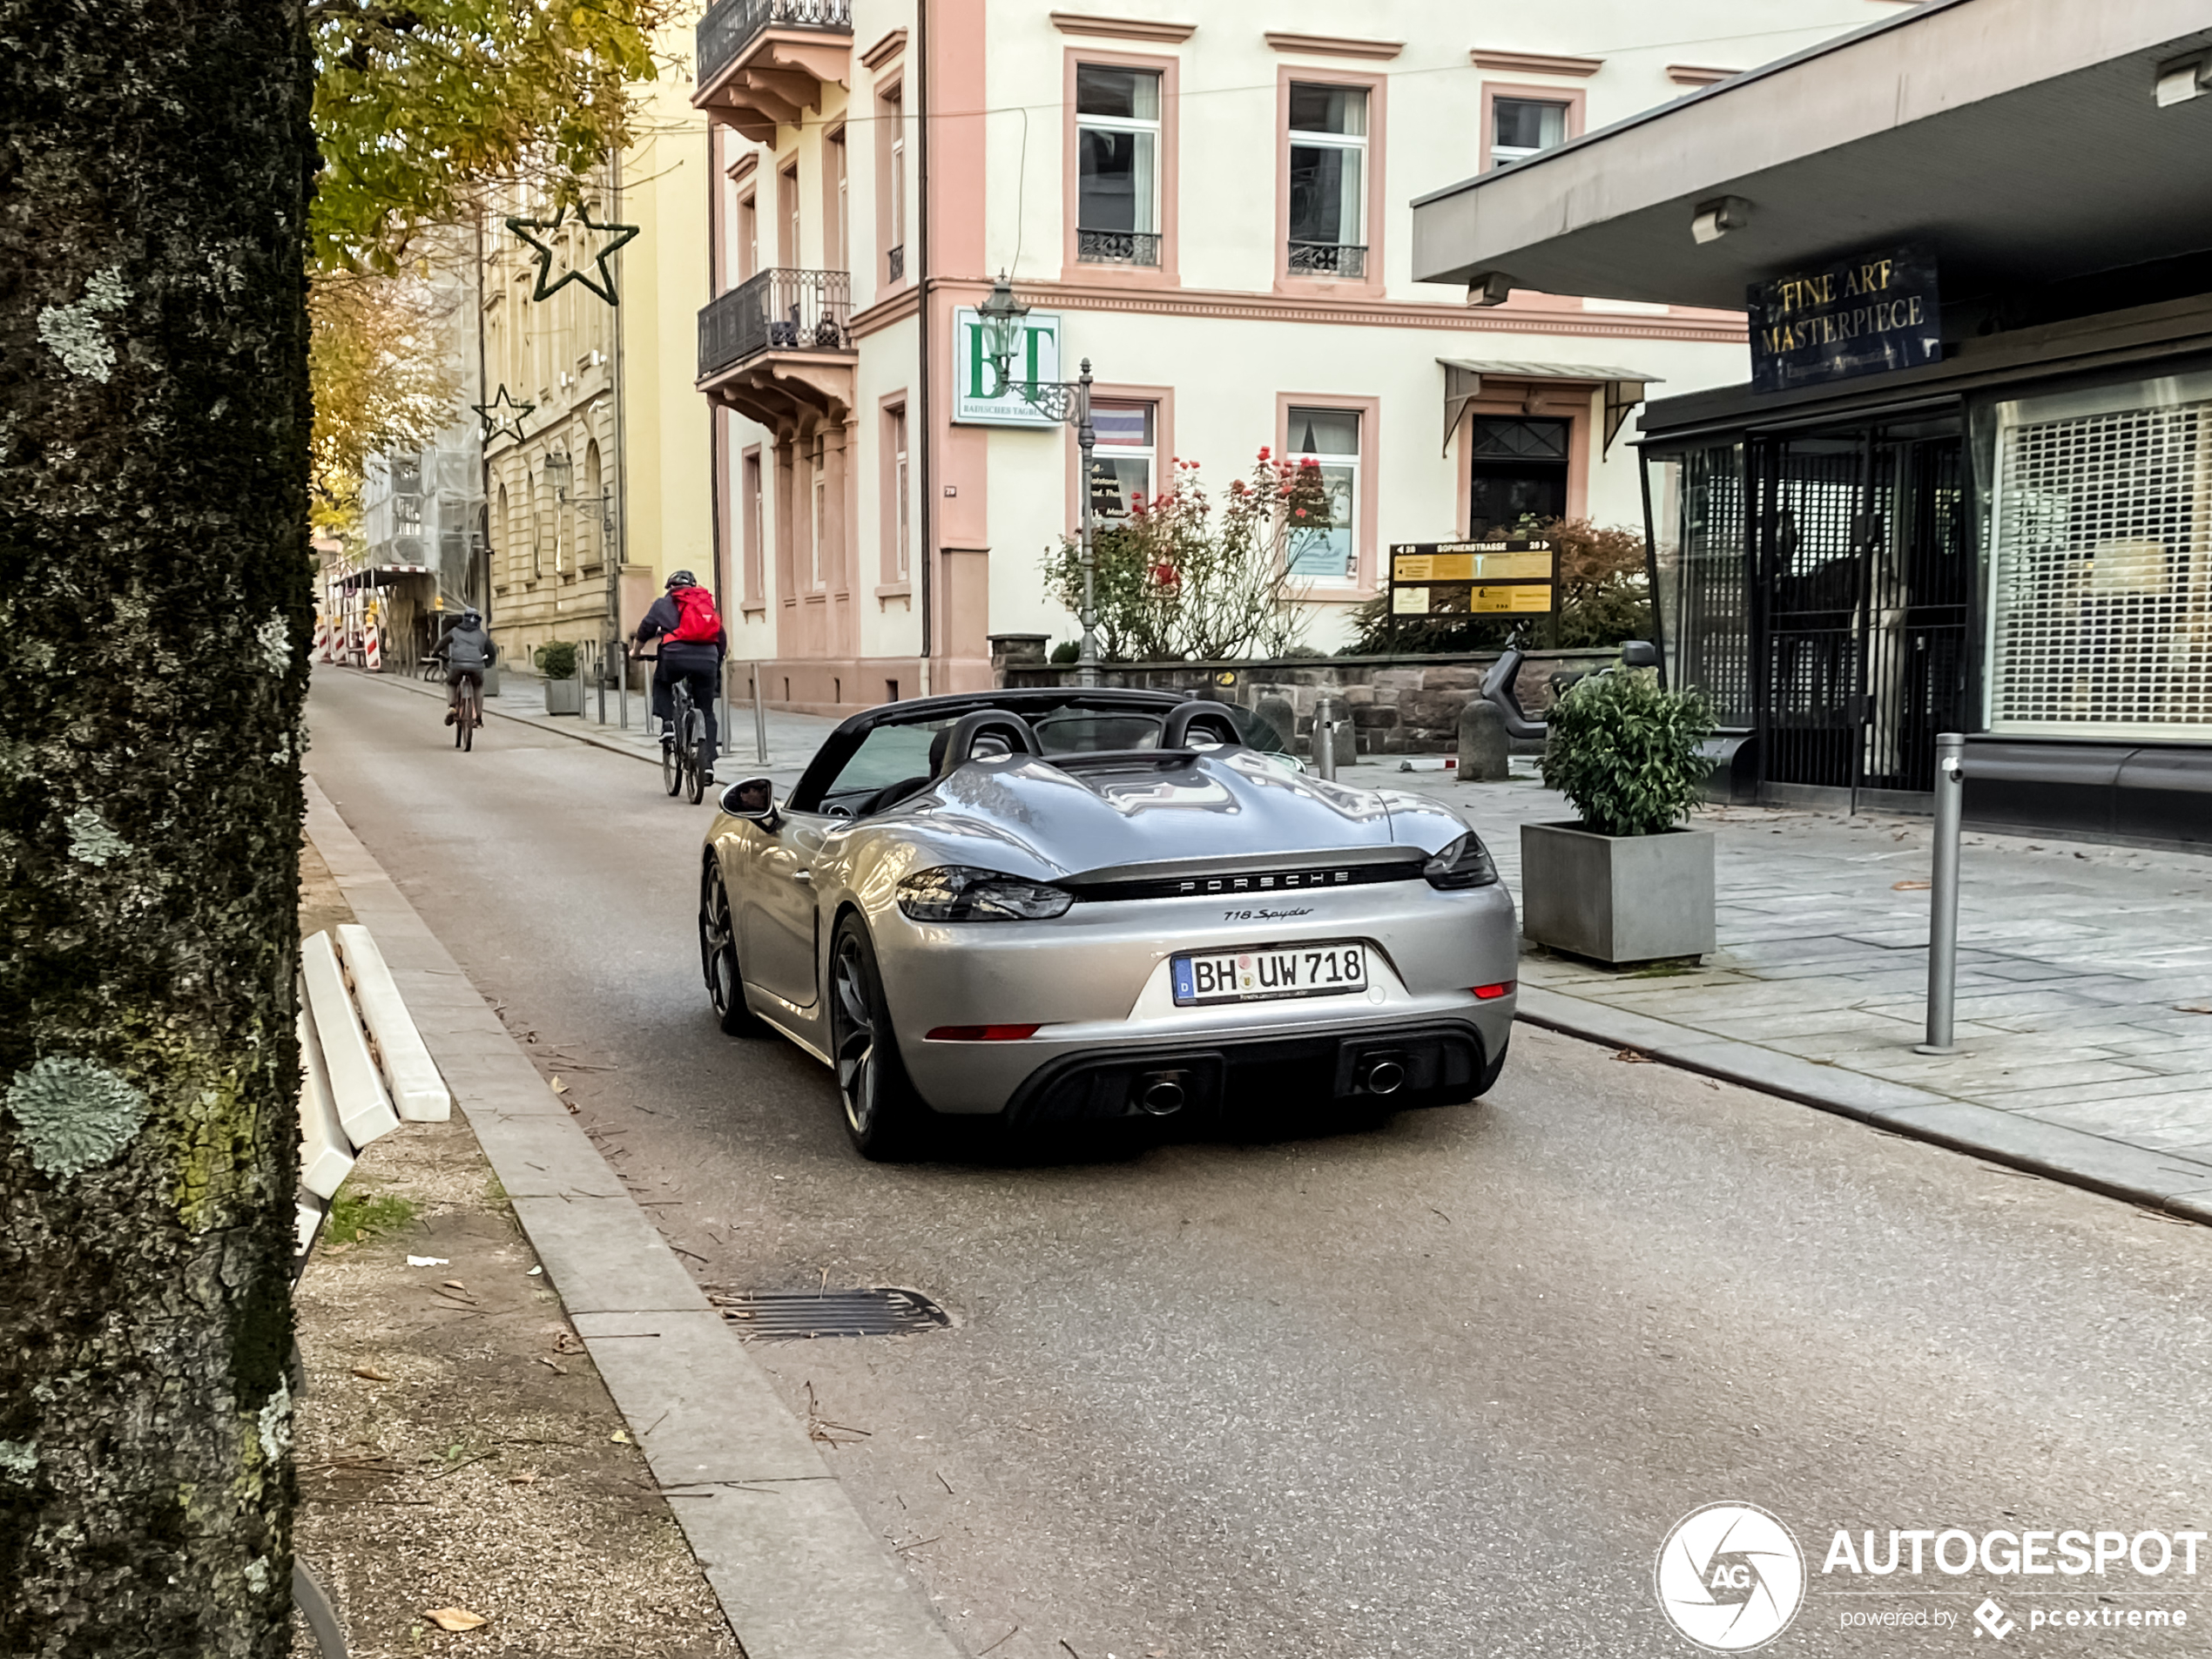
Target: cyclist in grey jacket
x,y
466,650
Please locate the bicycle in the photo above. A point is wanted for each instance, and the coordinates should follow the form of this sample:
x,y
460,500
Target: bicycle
x,y
468,712
683,745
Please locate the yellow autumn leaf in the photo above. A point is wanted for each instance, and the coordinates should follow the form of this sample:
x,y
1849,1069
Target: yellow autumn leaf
x,y
454,1618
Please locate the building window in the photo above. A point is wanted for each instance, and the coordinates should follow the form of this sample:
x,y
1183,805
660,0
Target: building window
x,y
748,235
787,189
749,506
892,219
1328,180
1121,466
902,534
837,235
1519,471
1521,127
1117,137
1331,438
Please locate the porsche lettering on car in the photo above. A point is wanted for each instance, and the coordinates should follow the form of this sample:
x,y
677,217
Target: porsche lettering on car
x,y
1053,905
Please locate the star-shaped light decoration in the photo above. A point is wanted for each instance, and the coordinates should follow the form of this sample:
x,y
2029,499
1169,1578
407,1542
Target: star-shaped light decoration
x,y
540,234
502,413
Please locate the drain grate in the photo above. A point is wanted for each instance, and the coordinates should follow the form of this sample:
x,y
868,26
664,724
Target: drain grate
x,y
785,1315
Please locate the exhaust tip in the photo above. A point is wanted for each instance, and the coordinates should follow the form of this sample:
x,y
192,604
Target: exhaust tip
x,y
1161,1096
1384,1077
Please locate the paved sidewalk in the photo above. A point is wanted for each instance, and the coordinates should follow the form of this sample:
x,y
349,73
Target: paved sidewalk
x,y
2084,1002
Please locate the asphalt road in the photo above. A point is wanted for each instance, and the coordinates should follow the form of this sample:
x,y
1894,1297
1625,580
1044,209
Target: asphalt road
x,y
1437,1388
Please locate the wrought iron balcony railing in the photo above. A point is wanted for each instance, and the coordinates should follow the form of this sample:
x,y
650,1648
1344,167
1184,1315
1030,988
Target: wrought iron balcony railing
x,y
1328,259
729,27
1117,247
778,310
895,264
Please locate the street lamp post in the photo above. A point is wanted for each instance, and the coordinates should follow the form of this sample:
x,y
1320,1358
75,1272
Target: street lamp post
x,y
1064,401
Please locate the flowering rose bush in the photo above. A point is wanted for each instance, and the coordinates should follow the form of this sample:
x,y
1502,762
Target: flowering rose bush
x,y
1181,580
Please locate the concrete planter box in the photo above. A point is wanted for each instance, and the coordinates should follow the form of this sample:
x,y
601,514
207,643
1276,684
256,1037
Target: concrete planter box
x,y
564,696
1617,898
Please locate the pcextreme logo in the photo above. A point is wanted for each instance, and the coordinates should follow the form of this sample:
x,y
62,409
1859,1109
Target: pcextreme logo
x,y
1730,1577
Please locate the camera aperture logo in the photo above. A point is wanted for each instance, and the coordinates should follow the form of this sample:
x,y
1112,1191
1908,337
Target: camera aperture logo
x,y
1730,1577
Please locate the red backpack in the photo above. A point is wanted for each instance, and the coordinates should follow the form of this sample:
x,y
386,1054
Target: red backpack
x,y
696,622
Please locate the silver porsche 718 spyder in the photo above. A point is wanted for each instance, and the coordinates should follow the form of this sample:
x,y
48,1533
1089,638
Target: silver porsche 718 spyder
x,y
1063,905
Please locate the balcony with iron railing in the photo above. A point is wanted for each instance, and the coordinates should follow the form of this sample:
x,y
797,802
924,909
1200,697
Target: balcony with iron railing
x,y
1117,247
779,344
1328,259
762,63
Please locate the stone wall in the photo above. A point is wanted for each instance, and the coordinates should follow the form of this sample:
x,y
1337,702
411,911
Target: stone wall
x,y
1399,705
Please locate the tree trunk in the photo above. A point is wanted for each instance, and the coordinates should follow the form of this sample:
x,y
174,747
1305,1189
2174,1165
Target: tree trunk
x,y
154,615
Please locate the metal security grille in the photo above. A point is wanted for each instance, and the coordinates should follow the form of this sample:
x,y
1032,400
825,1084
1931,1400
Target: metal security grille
x,y
1810,523
1714,652
2103,576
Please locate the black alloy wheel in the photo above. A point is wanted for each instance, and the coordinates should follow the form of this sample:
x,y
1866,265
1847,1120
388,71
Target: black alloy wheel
x,y
882,1114
718,956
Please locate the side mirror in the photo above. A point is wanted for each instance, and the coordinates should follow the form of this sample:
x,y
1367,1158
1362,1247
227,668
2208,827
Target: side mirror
x,y
1639,653
753,799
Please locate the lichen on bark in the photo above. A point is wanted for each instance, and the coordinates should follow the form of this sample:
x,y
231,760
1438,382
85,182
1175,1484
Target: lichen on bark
x,y
154,607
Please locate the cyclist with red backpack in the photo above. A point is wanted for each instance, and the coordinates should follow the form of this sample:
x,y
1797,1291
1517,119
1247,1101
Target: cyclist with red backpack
x,y
692,645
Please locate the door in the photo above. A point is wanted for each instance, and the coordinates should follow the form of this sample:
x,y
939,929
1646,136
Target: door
x,y
1517,471
1866,584
777,925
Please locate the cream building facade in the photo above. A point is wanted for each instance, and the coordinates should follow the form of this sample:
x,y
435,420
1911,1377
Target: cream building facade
x,y
1211,204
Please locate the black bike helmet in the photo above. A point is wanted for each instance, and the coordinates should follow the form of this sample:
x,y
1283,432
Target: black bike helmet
x,y
469,618
679,579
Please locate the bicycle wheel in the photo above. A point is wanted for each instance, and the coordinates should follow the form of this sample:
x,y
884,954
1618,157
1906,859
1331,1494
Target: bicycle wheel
x,y
472,716
695,755
461,715
672,758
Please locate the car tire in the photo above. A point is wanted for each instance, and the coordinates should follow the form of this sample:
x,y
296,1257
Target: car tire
x,y
886,1119
718,956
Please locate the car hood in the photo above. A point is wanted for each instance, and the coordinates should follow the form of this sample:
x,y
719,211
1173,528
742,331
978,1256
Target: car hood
x,y
1220,808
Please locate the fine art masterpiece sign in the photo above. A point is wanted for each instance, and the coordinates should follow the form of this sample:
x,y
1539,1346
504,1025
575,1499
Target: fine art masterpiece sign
x,y
1866,315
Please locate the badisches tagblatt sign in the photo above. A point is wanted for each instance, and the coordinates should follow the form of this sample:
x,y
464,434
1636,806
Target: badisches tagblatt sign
x,y
1867,315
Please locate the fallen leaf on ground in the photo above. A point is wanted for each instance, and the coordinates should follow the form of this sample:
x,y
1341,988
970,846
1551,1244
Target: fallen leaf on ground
x,y
558,1370
371,1373
526,1477
454,1618
560,1088
1632,1057
567,1343
453,1283
428,1261
620,1437
1909,887
2193,1007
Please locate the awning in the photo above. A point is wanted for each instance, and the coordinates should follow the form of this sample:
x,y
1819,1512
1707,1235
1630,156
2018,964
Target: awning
x,y
1463,384
1957,125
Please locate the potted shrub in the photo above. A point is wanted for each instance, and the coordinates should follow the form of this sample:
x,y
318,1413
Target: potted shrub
x,y
1627,882
563,691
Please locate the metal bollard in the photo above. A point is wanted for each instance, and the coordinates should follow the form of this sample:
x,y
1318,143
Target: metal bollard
x,y
1325,738
1943,895
759,718
622,691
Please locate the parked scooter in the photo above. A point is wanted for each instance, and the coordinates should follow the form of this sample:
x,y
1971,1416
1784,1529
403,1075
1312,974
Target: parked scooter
x,y
1498,683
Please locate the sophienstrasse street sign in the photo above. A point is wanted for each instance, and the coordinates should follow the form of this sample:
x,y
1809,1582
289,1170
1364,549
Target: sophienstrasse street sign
x,y
1474,578
1867,315
1038,360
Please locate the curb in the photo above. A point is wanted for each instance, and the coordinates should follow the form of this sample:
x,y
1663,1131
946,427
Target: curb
x,y
798,1572
2160,1181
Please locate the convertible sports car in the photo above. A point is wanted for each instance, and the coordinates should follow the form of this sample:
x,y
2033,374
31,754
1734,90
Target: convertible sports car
x,y
1058,904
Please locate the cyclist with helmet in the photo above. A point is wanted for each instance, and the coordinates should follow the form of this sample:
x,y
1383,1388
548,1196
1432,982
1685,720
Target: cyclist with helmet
x,y
692,645
466,650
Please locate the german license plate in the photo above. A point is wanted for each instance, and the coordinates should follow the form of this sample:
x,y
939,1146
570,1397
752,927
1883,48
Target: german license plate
x,y
1261,975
